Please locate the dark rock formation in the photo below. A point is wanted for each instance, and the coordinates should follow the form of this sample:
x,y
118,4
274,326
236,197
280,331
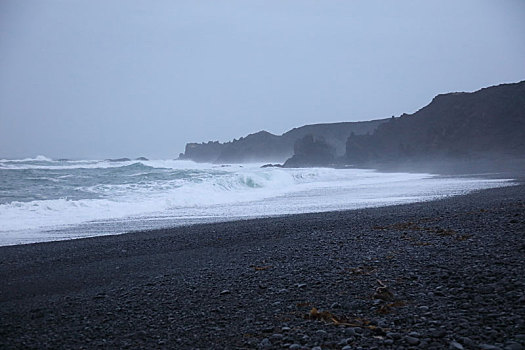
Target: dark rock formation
x,y
202,152
142,158
259,147
489,123
266,147
334,133
311,151
272,166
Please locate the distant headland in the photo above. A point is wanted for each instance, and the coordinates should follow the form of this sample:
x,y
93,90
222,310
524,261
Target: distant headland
x,y
484,126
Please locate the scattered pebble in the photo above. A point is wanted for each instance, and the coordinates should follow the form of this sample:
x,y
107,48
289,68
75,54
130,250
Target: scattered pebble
x,y
454,345
448,291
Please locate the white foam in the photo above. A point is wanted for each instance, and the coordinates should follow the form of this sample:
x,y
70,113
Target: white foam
x,y
22,165
37,158
218,193
29,163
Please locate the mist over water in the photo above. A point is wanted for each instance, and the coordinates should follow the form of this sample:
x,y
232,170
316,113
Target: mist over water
x,y
43,199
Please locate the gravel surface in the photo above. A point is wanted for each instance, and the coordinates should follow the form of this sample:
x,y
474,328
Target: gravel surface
x,y
448,274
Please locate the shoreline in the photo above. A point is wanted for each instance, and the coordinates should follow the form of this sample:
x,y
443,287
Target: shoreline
x,y
452,271
109,228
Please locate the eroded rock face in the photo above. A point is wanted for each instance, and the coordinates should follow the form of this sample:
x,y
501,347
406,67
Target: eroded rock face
x,y
202,152
486,123
311,151
489,123
263,146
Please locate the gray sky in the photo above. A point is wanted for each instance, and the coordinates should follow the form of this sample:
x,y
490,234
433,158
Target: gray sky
x,y
128,78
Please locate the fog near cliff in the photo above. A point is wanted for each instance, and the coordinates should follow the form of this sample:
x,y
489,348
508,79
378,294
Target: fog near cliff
x,y
103,79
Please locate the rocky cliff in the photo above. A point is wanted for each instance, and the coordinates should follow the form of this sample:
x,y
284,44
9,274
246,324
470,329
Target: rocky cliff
x,y
266,147
311,151
488,123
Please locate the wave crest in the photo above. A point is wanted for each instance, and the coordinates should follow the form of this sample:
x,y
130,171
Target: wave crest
x,y
39,158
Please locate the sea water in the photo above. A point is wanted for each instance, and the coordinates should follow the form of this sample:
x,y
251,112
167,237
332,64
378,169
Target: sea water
x,y
44,200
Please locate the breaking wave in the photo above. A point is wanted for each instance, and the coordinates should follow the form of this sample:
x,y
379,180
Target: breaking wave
x,y
40,195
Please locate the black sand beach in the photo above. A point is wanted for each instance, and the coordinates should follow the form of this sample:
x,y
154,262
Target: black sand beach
x,y
436,275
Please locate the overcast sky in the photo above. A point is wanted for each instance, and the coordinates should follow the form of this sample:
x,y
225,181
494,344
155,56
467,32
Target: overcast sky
x,y
98,79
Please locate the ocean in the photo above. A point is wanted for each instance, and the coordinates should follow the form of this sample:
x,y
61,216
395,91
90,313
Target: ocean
x,y
42,199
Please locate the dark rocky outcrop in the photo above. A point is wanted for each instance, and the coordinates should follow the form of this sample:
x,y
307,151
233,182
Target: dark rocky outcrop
x,y
202,152
259,147
266,147
333,133
272,165
311,151
489,123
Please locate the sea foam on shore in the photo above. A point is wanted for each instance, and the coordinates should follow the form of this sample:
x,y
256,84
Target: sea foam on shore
x,y
43,200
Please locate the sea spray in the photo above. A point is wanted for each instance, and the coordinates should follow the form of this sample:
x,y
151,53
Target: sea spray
x,y
43,199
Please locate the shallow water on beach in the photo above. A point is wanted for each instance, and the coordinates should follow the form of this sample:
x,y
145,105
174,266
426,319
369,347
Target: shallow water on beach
x,y
44,200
